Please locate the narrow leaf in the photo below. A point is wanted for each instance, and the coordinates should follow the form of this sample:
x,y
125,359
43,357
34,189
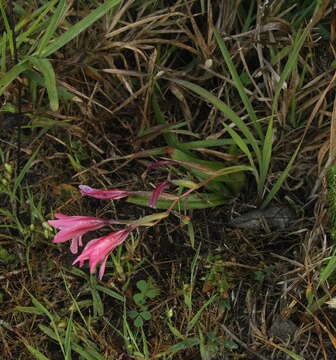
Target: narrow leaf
x,y
79,27
54,22
45,67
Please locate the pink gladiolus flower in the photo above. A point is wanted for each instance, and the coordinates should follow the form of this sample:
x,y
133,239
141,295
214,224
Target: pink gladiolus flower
x,y
98,250
103,194
157,192
74,227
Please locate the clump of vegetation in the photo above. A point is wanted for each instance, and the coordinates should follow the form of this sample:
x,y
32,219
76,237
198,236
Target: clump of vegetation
x,y
181,116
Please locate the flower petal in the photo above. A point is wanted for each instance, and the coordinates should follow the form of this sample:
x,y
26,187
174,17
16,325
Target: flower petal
x,y
103,194
157,192
98,250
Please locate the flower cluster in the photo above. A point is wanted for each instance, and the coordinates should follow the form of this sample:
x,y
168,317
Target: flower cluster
x,y
74,227
97,250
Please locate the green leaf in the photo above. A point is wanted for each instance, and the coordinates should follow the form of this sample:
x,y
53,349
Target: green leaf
x,y
36,353
138,322
29,309
235,181
48,331
12,74
266,157
54,22
329,269
230,344
37,22
133,314
194,201
276,187
110,292
182,345
79,27
139,298
194,320
146,315
45,67
147,220
152,293
292,354
237,82
98,306
220,105
170,138
25,170
35,77
142,285
67,340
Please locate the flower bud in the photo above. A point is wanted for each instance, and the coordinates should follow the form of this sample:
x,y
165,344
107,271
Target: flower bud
x,y
169,313
62,324
8,176
46,226
8,168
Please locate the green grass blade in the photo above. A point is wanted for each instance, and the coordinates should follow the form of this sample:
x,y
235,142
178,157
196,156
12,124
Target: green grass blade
x,y
29,310
266,157
111,293
238,140
7,27
3,65
292,354
24,170
54,21
208,143
170,138
220,105
328,269
97,303
201,201
86,353
79,27
182,345
238,84
276,187
249,17
37,25
45,67
67,340
36,353
290,65
194,320
12,74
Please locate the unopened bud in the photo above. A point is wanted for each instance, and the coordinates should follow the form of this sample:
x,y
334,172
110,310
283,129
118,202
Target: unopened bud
x,y
62,324
4,181
8,168
46,226
185,219
169,313
208,63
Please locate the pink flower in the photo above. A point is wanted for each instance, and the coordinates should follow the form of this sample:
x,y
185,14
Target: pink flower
x,y
98,250
157,192
103,194
162,162
74,227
